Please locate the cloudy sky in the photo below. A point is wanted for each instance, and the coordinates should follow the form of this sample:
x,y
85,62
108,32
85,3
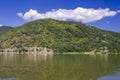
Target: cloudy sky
x,y
104,14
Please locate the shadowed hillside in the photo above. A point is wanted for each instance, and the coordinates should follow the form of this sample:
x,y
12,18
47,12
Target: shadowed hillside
x,y
4,29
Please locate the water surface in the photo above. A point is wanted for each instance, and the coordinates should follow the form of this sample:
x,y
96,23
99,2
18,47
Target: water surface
x,y
60,67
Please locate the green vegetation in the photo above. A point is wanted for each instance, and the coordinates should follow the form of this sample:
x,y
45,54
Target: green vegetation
x,y
4,29
61,36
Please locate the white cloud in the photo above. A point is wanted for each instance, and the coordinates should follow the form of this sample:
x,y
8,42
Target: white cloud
x,y
118,11
79,14
20,14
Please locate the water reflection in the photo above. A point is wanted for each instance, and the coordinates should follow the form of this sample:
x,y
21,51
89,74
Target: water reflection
x,y
9,79
59,67
101,56
17,59
115,76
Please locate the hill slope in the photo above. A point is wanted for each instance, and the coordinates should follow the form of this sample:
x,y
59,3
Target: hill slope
x,y
4,29
61,36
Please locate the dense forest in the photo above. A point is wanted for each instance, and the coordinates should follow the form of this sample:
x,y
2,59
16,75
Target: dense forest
x,y
61,36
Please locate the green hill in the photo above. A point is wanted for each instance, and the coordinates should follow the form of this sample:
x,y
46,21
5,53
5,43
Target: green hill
x,y
61,36
4,29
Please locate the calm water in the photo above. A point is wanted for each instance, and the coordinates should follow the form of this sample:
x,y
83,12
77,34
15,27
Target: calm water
x,y
60,67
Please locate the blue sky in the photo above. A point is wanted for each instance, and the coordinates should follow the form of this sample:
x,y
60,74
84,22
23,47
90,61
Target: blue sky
x,y
18,12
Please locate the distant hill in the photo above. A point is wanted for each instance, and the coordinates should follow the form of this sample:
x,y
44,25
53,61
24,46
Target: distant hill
x,y
4,29
61,36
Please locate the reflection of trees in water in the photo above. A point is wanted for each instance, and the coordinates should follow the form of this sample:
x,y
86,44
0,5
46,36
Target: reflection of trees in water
x,y
26,59
87,67
64,67
9,79
100,56
37,58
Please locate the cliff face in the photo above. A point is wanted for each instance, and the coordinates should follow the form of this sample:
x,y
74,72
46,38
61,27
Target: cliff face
x,y
28,50
60,36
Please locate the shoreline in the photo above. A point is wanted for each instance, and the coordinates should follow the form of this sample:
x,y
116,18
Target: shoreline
x,y
84,53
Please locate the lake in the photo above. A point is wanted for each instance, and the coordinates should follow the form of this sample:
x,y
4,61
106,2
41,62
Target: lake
x,y
60,67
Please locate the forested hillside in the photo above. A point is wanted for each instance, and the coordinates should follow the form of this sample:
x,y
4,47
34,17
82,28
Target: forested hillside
x,y
4,29
61,36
